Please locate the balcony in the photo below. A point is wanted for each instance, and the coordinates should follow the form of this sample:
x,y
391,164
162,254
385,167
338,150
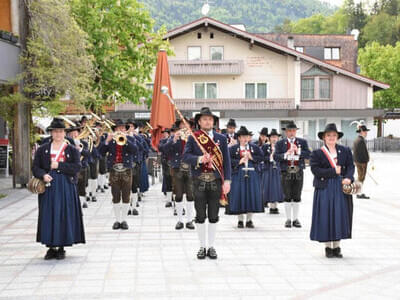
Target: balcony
x,y
221,104
205,67
9,61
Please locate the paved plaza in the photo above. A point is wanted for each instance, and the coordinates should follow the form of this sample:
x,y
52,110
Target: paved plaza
x,y
154,261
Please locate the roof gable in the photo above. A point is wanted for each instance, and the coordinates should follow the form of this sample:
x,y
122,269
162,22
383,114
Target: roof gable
x,y
260,41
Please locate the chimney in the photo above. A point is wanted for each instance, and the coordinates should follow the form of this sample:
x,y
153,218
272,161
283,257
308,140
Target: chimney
x,y
290,42
355,33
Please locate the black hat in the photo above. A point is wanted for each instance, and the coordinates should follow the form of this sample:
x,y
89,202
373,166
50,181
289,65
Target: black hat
x,y
174,128
131,121
119,122
205,111
330,128
362,128
290,125
274,132
166,130
84,118
77,126
231,123
56,124
243,131
264,131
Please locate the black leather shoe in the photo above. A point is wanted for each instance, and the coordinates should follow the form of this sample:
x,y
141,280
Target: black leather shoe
x,y
50,254
102,190
337,252
189,225
87,199
117,225
296,223
202,253
137,204
124,225
60,254
211,253
179,226
94,199
106,187
84,205
98,188
129,212
249,224
328,252
240,224
271,211
175,213
183,212
288,224
135,212
276,211
168,204
364,196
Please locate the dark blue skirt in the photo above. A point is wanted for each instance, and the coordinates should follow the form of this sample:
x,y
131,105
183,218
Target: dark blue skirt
x,y
144,178
331,218
245,194
271,186
60,215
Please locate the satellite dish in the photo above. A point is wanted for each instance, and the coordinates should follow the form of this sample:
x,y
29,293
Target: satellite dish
x,y
205,9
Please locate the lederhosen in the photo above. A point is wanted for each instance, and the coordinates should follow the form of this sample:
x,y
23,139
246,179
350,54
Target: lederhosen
x,y
292,180
120,179
182,179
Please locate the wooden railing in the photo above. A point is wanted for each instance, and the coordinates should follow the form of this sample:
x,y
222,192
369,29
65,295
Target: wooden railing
x,y
205,67
221,104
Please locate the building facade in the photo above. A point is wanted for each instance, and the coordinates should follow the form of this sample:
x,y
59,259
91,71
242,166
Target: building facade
x,y
262,82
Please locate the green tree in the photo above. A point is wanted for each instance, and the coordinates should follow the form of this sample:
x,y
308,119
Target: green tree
x,y
383,63
124,46
55,62
381,28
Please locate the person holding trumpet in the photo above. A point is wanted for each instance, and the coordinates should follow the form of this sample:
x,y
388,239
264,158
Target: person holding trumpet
x,y
121,150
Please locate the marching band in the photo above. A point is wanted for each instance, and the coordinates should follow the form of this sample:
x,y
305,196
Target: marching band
x,y
203,169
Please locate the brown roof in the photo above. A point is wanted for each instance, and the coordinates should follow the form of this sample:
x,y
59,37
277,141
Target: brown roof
x,y
314,45
271,45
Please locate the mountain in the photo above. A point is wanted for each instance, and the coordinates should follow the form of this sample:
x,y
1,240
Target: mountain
x,y
257,15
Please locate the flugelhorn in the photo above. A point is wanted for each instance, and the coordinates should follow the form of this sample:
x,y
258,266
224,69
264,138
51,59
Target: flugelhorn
x,y
120,138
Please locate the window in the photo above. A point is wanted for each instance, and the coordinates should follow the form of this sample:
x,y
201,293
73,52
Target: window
x,y
194,53
324,88
332,53
255,90
205,90
307,88
217,53
299,49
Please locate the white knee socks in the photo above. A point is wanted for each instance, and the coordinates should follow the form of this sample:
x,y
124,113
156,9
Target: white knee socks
x,y
212,231
179,210
189,211
288,210
117,211
201,232
249,217
124,211
296,207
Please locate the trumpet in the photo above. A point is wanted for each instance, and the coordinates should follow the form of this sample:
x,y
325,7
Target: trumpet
x,y
120,138
184,134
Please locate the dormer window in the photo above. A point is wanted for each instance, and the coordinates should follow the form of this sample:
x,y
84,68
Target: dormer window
x,y
316,84
332,53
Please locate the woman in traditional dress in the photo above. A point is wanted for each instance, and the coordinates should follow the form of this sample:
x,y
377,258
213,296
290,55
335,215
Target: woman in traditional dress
x,y
332,166
245,195
272,192
60,222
